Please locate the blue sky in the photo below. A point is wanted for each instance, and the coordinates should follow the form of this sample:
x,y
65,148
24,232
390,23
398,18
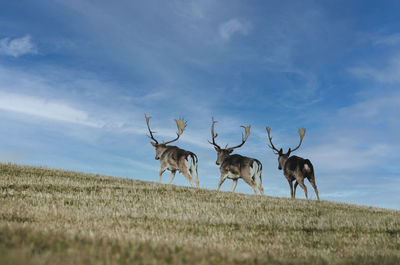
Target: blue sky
x,y
77,76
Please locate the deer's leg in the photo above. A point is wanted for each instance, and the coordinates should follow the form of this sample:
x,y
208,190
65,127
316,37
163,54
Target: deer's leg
x,y
251,182
248,174
162,170
301,183
291,189
312,181
254,186
171,178
222,179
193,173
261,188
196,180
184,170
234,183
258,174
295,186
187,175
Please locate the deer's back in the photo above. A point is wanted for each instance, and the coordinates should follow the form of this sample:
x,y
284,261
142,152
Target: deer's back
x,y
298,163
235,163
175,153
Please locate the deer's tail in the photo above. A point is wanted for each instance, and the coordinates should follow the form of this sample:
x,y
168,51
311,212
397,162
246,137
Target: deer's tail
x,y
308,169
193,167
257,175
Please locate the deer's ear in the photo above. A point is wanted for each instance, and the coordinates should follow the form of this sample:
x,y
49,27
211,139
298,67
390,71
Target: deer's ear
x,y
230,151
153,144
216,148
289,151
280,151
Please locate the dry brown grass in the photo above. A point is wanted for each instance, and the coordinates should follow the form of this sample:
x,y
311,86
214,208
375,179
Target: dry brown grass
x,y
61,217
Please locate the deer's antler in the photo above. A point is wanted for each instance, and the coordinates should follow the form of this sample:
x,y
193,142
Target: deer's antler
x,y
302,132
214,135
181,125
271,145
244,138
148,127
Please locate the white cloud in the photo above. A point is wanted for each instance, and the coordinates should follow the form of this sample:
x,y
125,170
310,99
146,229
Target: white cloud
x,y
375,110
193,9
361,136
389,74
43,108
346,154
233,26
49,104
18,46
389,40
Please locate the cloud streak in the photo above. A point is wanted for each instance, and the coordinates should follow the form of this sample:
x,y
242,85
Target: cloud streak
x,y
42,108
18,46
233,27
388,40
389,74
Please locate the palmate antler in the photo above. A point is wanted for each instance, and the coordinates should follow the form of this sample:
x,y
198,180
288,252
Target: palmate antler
x,y
271,145
301,131
181,124
214,135
244,138
148,127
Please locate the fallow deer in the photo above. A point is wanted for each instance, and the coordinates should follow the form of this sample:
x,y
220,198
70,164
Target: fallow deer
x,y
237,166
294,167
173,158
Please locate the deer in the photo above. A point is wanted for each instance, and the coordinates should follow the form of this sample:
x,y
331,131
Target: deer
x,y
236,166
294,167
173,158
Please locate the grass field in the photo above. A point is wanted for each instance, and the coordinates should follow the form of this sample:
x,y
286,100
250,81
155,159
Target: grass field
x,y
61,217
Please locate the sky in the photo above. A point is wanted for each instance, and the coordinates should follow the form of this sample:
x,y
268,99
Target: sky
x,y
77,76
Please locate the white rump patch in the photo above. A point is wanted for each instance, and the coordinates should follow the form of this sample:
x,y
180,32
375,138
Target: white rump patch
x,y
230,175
306,167
253,169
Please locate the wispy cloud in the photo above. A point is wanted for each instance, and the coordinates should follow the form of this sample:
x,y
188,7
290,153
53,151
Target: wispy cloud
x,y
232,27
193,9
43,108
18,46
389,40
354,139
346,154
389,74
382,109
125,116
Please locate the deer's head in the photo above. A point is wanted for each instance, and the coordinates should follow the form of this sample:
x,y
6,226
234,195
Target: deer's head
x,y
283,157
161,147
223,153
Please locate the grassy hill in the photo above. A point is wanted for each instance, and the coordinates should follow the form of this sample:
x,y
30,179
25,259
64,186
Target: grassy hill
x,y
62,217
